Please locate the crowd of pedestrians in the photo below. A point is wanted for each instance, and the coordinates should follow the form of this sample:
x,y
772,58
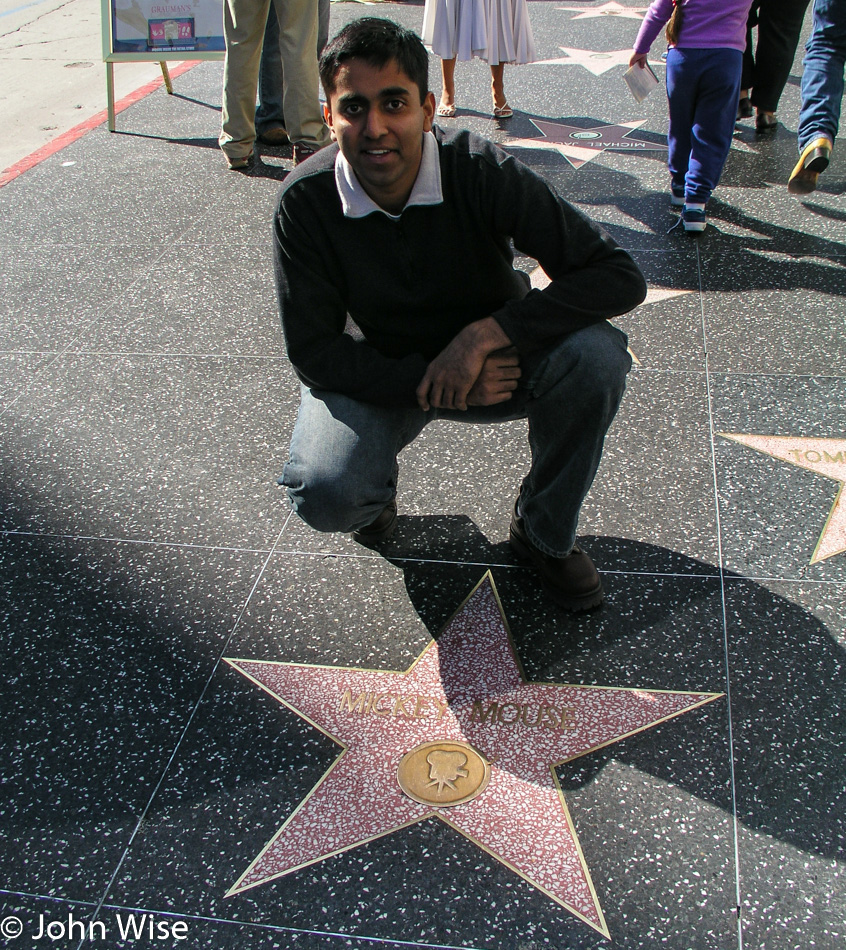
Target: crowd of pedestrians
x,y
727,60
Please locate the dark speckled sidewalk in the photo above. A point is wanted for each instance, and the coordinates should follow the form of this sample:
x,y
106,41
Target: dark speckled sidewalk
x,y
146,410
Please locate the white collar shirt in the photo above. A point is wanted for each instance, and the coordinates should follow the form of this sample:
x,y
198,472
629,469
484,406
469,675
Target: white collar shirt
x,y
355,201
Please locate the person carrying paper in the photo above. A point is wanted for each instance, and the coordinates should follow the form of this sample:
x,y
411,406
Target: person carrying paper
x,y
704,63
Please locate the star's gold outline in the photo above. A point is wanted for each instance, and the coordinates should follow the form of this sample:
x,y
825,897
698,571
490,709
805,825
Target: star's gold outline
x,y
487,577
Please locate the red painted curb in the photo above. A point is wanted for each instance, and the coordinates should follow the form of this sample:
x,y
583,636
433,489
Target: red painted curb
x,y
58,143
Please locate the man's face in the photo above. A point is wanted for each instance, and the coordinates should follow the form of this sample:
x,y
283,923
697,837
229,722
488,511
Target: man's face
x,y
378,121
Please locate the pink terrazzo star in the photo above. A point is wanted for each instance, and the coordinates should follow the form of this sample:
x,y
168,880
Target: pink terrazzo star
x,y
579,144
611,8
466,688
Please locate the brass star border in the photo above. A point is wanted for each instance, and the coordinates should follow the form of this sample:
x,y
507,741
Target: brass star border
x,y
465,734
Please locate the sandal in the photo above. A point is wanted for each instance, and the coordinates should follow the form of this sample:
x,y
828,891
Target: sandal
x,y
503,112
446,112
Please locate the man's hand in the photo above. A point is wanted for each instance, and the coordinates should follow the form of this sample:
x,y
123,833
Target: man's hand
x,y
455,371
498,378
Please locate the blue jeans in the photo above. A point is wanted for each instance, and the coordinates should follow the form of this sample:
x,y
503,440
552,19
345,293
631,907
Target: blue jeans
x,y
822,80
342,469
269,113
703,86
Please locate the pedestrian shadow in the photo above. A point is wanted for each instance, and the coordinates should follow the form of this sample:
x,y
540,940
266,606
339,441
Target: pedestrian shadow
x,y
259,169
759,164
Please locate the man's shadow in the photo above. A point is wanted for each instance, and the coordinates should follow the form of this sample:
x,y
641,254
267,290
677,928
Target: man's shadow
x,y
662,628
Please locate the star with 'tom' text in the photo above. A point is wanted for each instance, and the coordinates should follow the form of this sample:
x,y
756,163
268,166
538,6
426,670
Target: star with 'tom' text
x,y
822,457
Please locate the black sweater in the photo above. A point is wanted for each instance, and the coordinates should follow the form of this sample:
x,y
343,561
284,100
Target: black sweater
x,y
411,285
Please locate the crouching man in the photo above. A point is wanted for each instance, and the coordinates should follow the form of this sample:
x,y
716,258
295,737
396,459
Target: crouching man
x,y
406,228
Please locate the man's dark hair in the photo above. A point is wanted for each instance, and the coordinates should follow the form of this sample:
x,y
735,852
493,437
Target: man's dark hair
x,y
377,42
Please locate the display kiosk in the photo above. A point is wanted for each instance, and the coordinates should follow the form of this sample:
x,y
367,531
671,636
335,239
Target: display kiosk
x,y
159,31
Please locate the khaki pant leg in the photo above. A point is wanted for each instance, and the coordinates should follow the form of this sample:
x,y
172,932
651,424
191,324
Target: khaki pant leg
x,y
298,45
244,22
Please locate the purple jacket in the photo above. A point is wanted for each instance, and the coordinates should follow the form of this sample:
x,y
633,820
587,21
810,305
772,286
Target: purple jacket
x,y
706,24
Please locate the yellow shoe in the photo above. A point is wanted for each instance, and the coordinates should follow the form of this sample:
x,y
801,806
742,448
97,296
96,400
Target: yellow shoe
x,y
813,160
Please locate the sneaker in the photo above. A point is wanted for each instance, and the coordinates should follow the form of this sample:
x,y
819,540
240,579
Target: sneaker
x,y
573,581
240,163
380,529
676,195
693,218
814,159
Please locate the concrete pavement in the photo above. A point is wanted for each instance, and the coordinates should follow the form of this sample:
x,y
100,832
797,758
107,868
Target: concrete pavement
x,y
51,72
151,571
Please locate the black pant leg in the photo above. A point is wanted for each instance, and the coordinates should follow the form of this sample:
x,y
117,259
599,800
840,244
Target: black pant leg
x,y
779,26
748,74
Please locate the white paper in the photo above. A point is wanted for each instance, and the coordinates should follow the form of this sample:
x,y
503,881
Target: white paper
x,y
641,81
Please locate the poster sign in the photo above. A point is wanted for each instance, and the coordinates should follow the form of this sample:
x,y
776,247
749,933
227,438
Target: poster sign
x,y
167,26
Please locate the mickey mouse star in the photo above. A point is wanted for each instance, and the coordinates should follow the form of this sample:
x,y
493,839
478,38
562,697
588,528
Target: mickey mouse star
x,y
462,737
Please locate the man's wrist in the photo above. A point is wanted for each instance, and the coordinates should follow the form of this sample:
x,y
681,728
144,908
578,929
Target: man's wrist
x,y
487,335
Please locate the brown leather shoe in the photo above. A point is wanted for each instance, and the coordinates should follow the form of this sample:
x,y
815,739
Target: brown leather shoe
x,y
573,581
379,530
302,152
274,137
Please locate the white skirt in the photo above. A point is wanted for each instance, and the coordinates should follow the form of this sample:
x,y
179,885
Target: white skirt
x,y
497,31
